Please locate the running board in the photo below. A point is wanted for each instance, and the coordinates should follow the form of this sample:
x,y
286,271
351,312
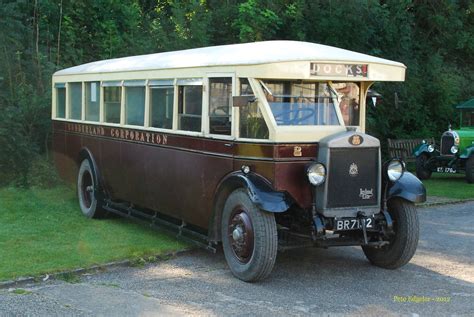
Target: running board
x,y
156,222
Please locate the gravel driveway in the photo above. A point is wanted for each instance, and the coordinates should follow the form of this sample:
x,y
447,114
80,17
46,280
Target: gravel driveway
x,y
439,281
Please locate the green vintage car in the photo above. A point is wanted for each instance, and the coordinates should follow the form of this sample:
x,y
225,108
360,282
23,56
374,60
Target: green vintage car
x,y
456,151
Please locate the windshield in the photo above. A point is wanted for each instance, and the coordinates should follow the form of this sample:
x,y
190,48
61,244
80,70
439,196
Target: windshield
x,y
301,103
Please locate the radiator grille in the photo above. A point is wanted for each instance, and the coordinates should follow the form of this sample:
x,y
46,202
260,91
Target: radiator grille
x,y
353,177
447,141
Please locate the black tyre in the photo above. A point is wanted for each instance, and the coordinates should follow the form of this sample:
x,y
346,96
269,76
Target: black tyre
x,y
470,170
421,171
86,187
249,238
403,244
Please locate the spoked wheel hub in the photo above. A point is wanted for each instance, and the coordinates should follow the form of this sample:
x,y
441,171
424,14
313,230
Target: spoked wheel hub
x,y
241,237
87,189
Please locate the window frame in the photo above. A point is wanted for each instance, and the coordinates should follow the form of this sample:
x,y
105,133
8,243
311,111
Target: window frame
x,y
160,84
133,83
69,101
264,109
111,83
231,108
184,82
341,119
234,111
85,83
54,111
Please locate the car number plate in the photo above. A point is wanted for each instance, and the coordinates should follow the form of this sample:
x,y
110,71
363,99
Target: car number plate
x,y
352,223
446,170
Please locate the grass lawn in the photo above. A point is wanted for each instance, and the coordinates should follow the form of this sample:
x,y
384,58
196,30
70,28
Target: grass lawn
x,y
449,185
43,231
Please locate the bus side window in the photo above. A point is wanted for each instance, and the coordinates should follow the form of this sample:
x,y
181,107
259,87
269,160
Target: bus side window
x,y
220,112
161,106
92,101
189,107
60,100
252,124
135,102
75,97
112,101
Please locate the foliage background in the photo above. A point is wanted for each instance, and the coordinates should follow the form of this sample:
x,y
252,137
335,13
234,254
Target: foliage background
x,y
434,38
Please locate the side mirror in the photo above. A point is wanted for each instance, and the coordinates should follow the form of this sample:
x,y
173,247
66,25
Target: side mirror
x,y
242,101
373,98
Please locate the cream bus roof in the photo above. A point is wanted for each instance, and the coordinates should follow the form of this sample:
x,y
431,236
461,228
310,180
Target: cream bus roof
x,y
236,54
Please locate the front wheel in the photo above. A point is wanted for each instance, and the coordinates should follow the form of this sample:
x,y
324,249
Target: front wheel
x,y
403,243
470,170
249,238
421,171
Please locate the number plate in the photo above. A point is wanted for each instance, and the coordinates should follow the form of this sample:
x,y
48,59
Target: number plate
x,y
352,224
446,170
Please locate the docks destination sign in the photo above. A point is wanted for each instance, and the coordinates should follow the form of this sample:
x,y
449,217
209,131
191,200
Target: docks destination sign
x,y
339,70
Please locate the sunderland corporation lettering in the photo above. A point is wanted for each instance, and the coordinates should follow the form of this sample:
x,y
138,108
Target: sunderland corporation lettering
x,y
147,137
118,133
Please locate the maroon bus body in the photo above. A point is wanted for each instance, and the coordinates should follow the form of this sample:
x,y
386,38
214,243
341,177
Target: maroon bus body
x,y
175,174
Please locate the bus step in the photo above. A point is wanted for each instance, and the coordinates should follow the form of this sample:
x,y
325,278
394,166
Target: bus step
x,y
157,223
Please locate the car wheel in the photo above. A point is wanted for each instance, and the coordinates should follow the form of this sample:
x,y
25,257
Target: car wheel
x,y
403,243
470,170
249,238
86,191
421,171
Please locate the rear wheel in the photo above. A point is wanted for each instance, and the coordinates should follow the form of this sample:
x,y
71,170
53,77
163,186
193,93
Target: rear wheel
x,y
421,171
86,191
249,238
403,243
470,170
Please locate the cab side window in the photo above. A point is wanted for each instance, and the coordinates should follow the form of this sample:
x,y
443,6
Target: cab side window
x,y
349,97
252,124
189,107
220,110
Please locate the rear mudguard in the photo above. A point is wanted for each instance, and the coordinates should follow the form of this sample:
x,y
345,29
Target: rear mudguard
x,y
408,187
85,153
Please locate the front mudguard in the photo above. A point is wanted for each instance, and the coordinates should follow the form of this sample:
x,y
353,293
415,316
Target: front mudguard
x,y
467,152
408,187
259,190
420,149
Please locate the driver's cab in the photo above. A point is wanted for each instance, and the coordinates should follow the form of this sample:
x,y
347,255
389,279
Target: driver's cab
x,y
467,117
298,110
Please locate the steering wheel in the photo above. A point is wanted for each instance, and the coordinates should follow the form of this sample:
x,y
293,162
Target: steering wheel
x,y
310,112
224,110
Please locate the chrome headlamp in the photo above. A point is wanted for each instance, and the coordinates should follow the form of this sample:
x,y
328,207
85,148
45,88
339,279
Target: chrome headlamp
x,y
456,137
431,148
454,149
316,174
395,169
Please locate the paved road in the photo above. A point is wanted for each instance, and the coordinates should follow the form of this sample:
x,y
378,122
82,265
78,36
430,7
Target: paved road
x,y
439,281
